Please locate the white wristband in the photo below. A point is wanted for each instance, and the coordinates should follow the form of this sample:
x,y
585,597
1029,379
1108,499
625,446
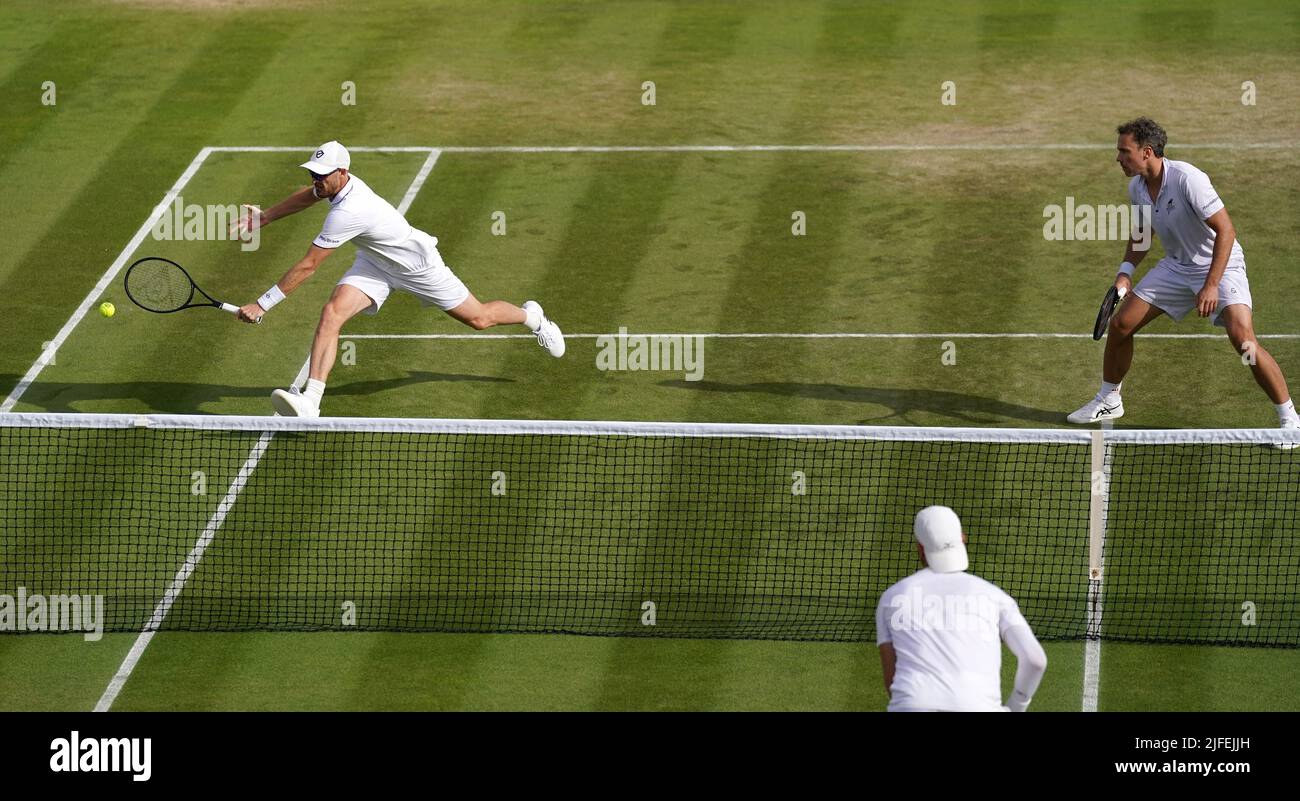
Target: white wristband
x,y
1127,268
271,297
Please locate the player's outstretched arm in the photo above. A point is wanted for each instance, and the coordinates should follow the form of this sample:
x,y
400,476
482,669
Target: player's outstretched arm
x,y
303,198
1031,664
304,268
252,312
251,217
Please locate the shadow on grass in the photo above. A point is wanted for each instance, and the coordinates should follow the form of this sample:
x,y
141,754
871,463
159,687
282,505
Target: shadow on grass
x,y
970,409
183,397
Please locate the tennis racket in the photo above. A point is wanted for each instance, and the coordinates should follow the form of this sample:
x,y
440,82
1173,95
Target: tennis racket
x,y
1108,304
162,286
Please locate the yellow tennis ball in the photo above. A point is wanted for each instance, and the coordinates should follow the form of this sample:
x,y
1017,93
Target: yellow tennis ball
x,y
107,309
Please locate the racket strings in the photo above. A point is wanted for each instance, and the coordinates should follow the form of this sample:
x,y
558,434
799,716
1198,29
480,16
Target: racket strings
x,y
159,286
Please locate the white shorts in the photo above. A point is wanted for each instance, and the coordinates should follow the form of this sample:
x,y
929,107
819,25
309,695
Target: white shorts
x,y
437,286
1174,292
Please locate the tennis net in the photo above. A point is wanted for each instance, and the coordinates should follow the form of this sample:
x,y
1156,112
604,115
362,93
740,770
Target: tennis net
x,y
640,529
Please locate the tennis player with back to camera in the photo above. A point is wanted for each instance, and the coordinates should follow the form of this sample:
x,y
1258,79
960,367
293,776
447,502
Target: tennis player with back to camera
x,y
391,254
940,631
1204,269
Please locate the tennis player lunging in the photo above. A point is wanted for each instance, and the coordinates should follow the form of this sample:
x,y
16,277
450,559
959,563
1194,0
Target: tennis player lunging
x,y
940,631
1203,269
391,254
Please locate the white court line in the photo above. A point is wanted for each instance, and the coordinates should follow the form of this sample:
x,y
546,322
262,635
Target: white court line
x,y
1091,673
305,149
47,353
963,335
885,148
418,183
178,583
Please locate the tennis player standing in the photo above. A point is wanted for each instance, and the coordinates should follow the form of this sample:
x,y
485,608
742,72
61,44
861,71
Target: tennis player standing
x,y
391,254
940,631
1203,269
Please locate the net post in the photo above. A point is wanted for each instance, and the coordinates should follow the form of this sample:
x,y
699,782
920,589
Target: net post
x,y
1100,488
1099,492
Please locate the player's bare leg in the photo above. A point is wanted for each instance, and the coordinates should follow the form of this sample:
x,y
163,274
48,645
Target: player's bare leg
x,y
478,315
345,303
1132,316
1239,322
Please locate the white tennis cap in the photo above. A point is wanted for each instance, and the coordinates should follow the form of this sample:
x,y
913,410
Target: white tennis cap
x,y
938,529
329,157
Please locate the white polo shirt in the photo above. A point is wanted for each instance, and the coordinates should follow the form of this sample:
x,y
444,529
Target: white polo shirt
x,y
1179,211
379,231
946,629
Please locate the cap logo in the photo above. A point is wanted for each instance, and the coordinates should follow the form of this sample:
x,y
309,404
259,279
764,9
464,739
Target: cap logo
x,y
319,154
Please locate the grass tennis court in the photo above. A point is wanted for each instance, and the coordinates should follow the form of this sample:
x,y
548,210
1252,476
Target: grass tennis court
x,y
898,241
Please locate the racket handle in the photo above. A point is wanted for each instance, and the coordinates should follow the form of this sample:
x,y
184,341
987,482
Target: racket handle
x,y
228,307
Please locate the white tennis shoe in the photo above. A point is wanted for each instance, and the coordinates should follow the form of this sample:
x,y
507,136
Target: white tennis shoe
x,y
549,335
1291,424
292,404
1096,410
